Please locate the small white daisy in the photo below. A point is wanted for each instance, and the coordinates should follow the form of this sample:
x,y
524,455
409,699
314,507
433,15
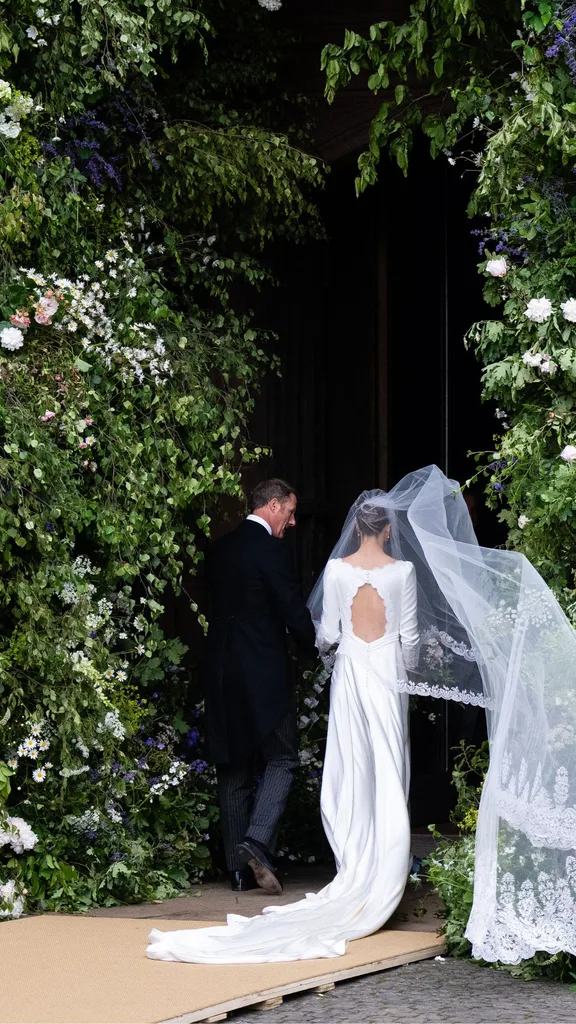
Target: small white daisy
x,y
39,774
121,676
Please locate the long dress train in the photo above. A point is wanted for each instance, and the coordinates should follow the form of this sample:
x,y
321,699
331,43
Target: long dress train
x,y
363,799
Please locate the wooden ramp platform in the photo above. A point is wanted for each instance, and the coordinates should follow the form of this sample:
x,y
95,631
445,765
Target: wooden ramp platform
x,y
60,969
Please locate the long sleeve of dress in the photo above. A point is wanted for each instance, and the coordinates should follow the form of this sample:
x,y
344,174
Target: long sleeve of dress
x,y
409,634
329,629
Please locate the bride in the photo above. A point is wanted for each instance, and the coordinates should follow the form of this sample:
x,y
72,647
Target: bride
x,y
409,603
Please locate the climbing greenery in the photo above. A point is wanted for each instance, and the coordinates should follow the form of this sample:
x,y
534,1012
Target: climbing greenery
x,y
492,85
146,156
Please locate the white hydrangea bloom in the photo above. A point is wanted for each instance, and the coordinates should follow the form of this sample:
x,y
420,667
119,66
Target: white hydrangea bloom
x,y
539,310
569,310
16,832
11,337
9,129
523,521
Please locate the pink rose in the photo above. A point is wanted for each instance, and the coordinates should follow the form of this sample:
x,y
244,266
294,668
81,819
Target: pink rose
x,y
497,268
48,415
45,309
20,318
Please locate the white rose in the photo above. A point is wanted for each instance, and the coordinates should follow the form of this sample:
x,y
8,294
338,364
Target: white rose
x,y
568,453
538,310
497,268
523,521
11,338
5,91
569,310
533,358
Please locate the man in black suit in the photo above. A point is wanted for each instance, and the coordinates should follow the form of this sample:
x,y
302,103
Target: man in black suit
x,y
250,714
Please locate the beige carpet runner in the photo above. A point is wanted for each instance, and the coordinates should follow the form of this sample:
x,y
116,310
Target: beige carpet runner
x,y
59,969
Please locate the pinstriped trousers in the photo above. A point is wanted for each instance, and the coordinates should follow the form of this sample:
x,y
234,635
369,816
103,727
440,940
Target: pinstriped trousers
x,y
241,813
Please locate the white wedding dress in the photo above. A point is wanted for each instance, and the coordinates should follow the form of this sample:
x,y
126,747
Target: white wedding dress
x,y
364,789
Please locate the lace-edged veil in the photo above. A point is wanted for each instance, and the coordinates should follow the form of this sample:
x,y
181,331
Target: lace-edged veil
x,y
446,664
493,634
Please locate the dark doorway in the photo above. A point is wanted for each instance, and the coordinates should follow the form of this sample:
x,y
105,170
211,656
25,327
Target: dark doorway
x,y
376,380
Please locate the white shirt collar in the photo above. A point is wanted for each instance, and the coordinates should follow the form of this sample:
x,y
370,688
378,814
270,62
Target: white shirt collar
x,y
258,519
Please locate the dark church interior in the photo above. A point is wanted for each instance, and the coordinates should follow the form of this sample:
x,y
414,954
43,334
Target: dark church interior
x,y
375,379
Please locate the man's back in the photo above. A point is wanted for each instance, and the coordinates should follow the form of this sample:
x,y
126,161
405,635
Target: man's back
x,y
255,602
237,569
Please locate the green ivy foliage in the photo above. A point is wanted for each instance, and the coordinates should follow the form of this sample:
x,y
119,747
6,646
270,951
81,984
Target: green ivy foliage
x,y
146,157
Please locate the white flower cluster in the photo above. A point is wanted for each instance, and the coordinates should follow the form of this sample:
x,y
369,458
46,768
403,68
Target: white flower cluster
x,y
18,106
141,350
271,5
114,815
81,746
105,608
82,566
31,747
16,832
90,821
70,773
540,361
68,594
176,774
11,904
113,724
540,310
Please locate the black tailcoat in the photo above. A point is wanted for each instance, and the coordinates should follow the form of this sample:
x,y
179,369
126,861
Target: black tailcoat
x,y
255,600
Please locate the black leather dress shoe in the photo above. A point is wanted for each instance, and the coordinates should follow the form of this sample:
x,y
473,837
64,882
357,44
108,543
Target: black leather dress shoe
x,y
242,880
257,857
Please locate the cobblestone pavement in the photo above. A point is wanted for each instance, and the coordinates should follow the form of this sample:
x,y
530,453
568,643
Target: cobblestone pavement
x,y
453,992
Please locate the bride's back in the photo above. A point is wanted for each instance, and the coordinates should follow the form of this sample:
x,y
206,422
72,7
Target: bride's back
x,y
368,610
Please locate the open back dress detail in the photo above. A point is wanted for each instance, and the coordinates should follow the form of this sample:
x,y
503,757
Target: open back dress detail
x,y
364,785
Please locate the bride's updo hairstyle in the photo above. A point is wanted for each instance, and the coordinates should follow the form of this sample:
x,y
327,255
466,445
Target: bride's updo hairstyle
x,y
371,520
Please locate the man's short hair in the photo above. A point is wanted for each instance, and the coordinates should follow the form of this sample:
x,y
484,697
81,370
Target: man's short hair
x,y
267,490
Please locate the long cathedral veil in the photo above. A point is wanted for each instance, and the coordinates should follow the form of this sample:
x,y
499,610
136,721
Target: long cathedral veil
x,y
493,634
